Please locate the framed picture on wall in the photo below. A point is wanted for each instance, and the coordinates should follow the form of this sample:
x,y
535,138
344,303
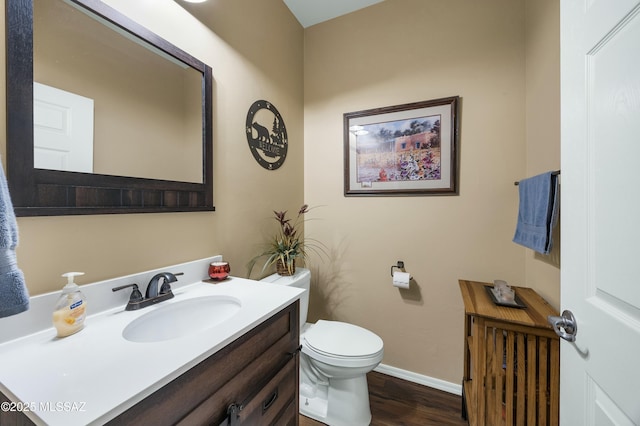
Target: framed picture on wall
x,y
409,149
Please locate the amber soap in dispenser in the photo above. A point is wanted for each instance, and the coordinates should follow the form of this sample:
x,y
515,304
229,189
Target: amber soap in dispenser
x,y
70,311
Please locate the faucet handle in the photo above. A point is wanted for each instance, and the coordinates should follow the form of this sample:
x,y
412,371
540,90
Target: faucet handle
x,y
168,279
165,288
136,295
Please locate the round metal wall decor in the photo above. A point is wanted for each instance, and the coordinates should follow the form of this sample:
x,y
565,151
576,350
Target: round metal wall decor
x,y
267,135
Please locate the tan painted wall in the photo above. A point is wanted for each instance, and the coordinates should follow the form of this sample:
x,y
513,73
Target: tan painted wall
x,y
396,52
250,61
543,127
477,50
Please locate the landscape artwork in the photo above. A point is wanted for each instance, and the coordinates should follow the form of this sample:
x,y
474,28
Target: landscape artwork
x,y
408,149
403,150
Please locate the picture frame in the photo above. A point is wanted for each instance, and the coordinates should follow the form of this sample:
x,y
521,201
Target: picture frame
x,y
402,150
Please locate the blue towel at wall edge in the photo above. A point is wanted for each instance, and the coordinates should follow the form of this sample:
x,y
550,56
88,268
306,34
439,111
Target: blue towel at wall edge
x,y
14,297
538,212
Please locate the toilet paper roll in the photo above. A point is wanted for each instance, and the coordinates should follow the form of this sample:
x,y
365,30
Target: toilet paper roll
x,y
401,279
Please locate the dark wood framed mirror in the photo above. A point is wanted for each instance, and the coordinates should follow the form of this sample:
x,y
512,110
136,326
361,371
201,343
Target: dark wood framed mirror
x,y
39,189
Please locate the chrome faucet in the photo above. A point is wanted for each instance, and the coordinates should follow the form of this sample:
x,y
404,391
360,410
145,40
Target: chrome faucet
x,y
152,296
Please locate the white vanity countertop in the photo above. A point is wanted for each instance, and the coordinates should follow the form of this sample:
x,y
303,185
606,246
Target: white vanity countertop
x,y
94,375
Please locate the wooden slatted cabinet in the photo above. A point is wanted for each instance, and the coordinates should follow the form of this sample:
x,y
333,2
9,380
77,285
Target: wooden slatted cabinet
x,y
511,360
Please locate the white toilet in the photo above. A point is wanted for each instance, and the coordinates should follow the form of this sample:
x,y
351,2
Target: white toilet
x,y
334,362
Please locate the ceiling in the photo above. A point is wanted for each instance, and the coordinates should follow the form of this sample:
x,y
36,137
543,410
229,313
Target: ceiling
x,y
311,12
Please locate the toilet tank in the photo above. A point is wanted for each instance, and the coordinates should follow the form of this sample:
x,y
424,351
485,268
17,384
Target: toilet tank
x,y
301,279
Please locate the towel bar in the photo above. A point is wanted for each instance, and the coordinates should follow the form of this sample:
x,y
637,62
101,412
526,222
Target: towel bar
x,y
556,173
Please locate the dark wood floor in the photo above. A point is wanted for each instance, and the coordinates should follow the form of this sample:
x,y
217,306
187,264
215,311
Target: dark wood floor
x,y
396,402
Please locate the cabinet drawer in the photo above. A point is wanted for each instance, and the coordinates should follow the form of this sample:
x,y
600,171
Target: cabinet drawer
x,y
245,385
275,397
289,416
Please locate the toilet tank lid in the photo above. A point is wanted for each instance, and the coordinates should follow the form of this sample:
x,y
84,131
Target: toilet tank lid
x,y
343,339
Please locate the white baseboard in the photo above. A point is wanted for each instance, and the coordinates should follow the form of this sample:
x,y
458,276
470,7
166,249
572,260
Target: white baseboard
x,y
419,379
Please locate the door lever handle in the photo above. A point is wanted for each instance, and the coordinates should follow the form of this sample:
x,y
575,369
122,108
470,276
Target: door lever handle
x,y
565,325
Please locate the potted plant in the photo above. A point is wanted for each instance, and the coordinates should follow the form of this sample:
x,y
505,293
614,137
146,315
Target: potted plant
x,y
287,244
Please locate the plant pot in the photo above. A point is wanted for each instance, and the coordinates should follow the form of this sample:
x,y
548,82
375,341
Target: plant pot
x,y
281,268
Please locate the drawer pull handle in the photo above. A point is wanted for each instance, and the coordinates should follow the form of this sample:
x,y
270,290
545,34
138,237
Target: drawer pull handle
x,y
298,349
234,414
270,400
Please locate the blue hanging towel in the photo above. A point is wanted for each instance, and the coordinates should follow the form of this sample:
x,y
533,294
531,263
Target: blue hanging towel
x,y
14,297
538,212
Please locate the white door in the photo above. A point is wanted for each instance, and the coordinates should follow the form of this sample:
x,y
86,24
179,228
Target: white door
x,y
62,130
600,205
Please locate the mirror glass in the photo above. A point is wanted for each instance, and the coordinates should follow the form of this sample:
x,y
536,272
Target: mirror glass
x,y
103,116
108,103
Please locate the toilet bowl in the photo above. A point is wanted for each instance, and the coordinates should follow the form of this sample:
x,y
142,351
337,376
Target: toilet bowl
x,y
334,361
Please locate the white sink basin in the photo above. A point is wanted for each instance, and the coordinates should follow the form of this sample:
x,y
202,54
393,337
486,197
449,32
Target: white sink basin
x,y
182,318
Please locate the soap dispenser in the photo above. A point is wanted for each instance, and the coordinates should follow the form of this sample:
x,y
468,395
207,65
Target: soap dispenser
x,y
70,311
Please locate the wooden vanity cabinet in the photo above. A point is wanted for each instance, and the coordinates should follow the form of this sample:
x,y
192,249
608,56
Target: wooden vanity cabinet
x,y
511,360
251,381
257,375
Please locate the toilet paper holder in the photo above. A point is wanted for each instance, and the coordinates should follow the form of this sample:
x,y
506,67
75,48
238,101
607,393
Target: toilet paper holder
x,y
400,266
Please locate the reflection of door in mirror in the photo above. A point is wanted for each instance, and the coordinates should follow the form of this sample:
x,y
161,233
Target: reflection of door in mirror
x,y
148,106
62,130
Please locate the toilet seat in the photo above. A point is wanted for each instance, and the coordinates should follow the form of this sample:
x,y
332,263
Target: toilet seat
x,y
342,344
